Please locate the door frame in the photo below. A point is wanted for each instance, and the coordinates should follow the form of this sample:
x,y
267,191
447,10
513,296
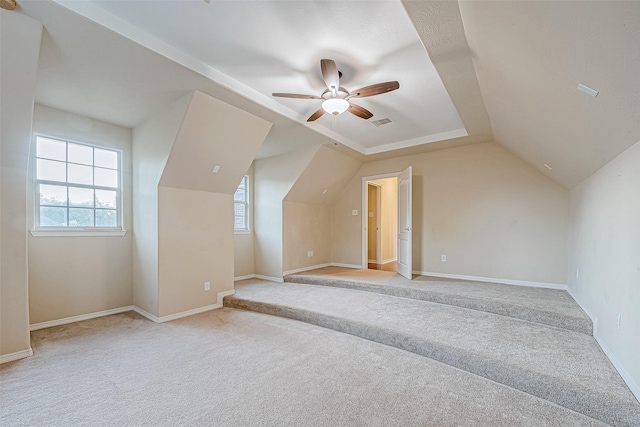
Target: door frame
x,y
378,188
365,214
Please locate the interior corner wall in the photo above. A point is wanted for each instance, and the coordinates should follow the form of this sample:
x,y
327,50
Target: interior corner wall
x,y
604,258
152,143
492,214
195,237
20,38
243,258
101,277
273,178
307,228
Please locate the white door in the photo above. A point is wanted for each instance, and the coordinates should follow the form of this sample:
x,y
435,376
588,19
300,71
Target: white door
x,y
404,223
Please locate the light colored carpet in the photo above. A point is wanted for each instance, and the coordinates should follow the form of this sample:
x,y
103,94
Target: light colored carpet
x,y
548,306
234,368
565,367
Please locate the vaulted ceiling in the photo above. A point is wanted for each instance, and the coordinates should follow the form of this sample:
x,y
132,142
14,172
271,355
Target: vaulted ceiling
x,y
469,71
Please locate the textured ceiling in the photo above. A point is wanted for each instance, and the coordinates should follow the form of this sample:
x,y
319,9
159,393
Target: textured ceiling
x,y
256,48
530,57
510,69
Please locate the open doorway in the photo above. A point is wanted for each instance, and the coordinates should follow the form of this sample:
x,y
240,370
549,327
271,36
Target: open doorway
x,y
381,223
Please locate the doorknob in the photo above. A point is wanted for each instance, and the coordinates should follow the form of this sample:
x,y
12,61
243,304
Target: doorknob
x,y
407,229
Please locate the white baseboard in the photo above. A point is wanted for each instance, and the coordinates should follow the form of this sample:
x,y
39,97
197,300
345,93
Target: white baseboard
x,y
245,277
387,261
146,314
338,264
300,270
5,358
588,312
495,280
175,316
79,318
633,386
269,278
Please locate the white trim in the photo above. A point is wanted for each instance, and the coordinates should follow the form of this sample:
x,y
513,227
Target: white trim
x,y
5,358
198,310
495,280
387,261
588,312
365,217
312,267
79,318
373,261
633,386
146,314
78,233
269,278
180,315
456,133
339,264
245,277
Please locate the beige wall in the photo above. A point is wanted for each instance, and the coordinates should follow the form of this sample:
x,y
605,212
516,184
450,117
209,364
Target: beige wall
x,y
243,259
604,254
19,49
389,218
70,276
195,240
307,228
273,178
492,214
152,143
184,236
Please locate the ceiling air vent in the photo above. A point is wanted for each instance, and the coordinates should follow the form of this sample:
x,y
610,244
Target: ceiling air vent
x,y
381,122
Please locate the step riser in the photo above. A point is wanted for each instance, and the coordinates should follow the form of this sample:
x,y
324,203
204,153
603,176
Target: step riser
x,y
582,401
528,314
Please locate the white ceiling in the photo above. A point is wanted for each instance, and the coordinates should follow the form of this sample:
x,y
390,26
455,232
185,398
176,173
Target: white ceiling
x,y
256,48
509,69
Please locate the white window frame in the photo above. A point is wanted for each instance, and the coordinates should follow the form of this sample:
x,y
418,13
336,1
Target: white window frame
x,y
39,231
247,207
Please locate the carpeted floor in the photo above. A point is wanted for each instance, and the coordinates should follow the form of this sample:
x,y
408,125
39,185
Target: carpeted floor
x,y
234,368
548,306
565,367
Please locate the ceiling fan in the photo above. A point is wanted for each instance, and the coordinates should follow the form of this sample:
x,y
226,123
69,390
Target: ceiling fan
x,y
336,99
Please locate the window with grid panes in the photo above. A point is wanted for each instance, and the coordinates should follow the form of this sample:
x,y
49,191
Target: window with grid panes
x,y
77,185
241,206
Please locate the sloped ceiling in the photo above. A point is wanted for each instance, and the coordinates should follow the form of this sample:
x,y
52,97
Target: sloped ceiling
x,y
530,56
510,68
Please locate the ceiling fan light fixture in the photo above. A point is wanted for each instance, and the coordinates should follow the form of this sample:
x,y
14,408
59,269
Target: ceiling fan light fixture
x,y
335,106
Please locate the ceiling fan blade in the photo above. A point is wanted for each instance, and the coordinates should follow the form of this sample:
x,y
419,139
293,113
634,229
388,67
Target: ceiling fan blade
x,y
295,95
376,89
330,73
315,116
359,111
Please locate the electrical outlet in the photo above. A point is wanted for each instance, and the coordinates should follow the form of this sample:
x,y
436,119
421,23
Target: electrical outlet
x,y
618,321
443,258
207,286
309,253
354,212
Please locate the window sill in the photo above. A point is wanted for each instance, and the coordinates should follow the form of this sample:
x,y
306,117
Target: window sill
x,y
78,233
242,232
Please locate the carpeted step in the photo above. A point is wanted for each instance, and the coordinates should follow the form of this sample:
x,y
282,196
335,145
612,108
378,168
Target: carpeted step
x,y
561,366
547,306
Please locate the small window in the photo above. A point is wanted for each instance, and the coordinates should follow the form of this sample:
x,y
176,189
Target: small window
x,y
241,206
77,186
